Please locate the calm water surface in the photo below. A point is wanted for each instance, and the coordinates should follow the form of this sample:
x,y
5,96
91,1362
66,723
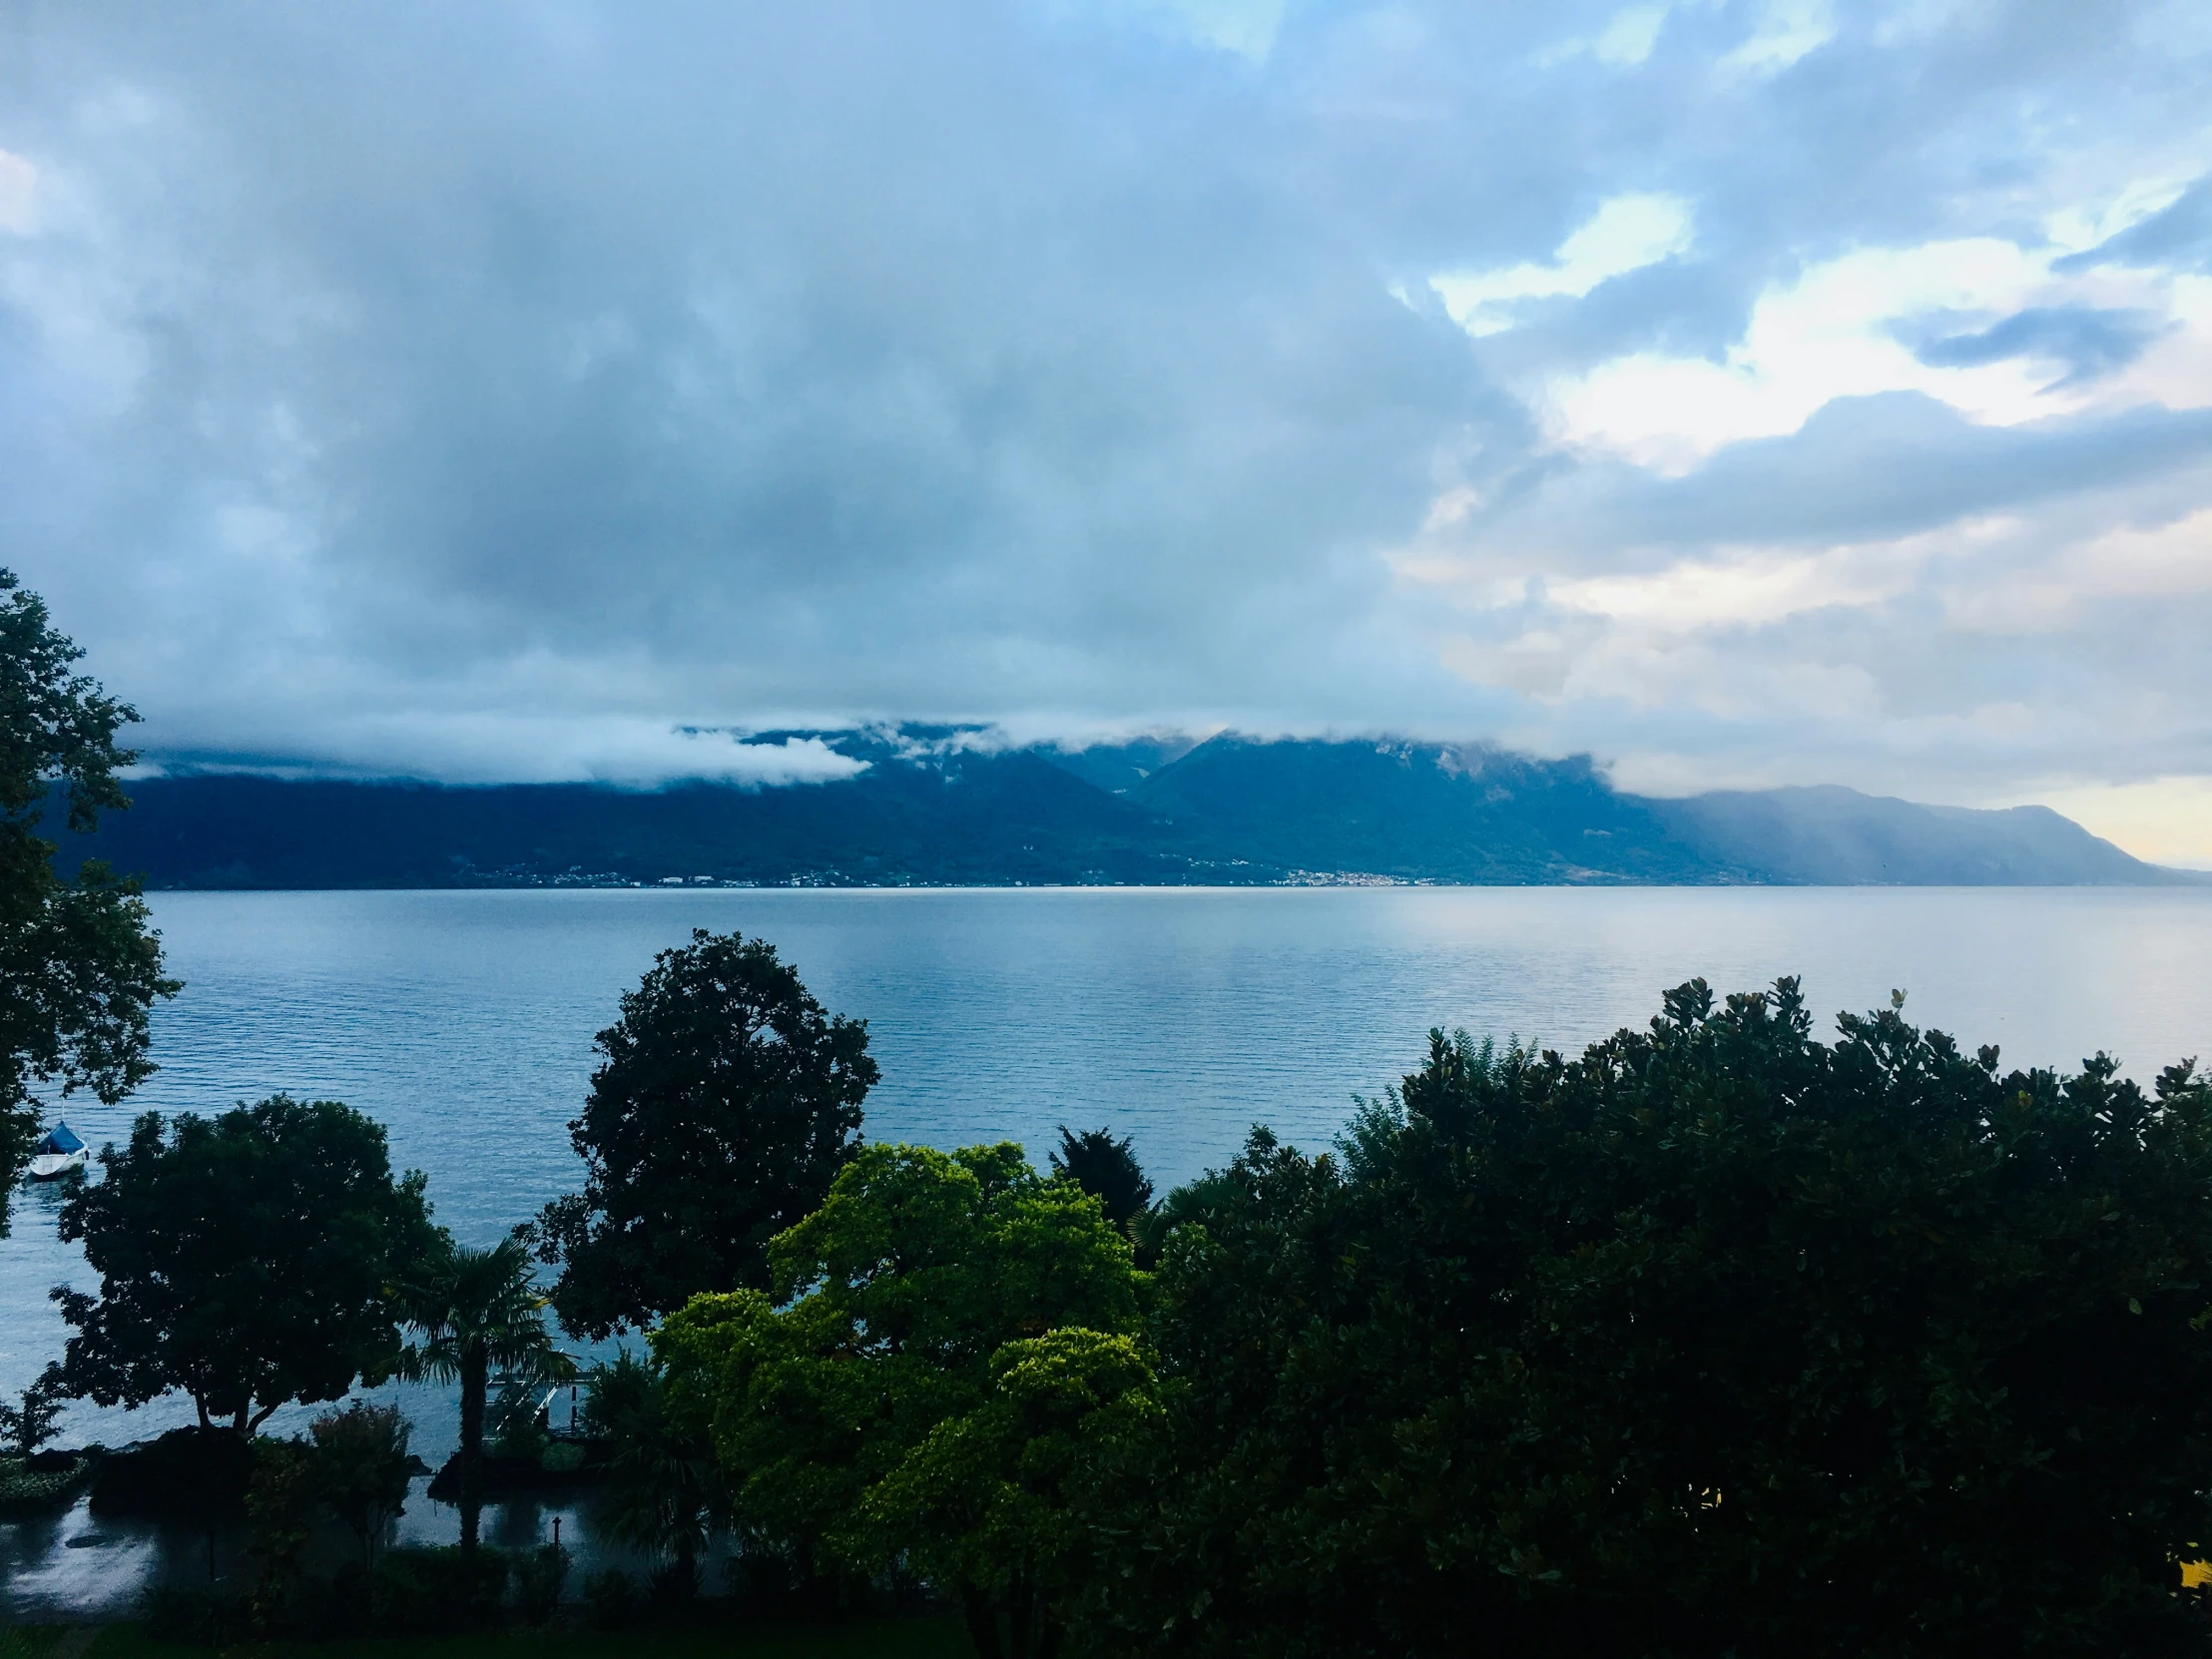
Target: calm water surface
x,y
463,1021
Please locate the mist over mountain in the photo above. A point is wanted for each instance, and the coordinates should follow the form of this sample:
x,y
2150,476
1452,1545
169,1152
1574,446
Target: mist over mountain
x,y
957,805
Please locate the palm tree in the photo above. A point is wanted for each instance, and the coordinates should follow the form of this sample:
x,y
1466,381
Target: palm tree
x,y
664,1495
479,1310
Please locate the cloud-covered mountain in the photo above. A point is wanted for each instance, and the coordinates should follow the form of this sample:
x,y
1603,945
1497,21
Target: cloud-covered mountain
x,y
960,805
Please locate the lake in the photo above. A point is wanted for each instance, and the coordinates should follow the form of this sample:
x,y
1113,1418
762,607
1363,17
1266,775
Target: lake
x,y
463,1021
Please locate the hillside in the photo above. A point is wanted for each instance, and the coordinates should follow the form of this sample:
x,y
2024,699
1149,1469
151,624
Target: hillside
x,y
940,805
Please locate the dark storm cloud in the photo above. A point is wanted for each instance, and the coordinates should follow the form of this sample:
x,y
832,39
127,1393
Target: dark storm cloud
x,y
489,391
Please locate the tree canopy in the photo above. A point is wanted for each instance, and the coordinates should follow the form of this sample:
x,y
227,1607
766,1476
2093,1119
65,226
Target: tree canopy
x,y
953,1327
247,1259
80,966
725,1102
1718,1339
1107,1169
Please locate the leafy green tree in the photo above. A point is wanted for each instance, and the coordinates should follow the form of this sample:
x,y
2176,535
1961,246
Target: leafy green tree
x,y
1718,1339
725,1102
478,1311
1003,1501
361,1469
30,1423
247,1259
1108,1170
79,968
890,1411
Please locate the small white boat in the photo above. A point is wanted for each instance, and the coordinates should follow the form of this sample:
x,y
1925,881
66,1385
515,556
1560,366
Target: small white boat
x,y
58,1154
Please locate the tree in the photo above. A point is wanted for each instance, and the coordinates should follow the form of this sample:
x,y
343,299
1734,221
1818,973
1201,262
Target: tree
x,y
723,1104
663,1493
79,968
1003,1501
885,1412
478,1311
361,1469
1715,1339
247,1259
1108,1170
30,1424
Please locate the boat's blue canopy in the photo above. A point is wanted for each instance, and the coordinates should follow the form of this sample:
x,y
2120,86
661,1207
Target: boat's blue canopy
x,y
59,1139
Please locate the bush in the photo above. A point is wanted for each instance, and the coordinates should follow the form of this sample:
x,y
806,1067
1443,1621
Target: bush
x,y
613,1600
47,1480
673,1589
188,1474
438,1590
189,1614
539,1578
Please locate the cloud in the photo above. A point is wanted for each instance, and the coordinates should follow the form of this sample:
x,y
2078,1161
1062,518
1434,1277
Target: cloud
x,y
1626,234
1840,330
18,196
468,749
2088,343
1745,392
1786,31
2177,235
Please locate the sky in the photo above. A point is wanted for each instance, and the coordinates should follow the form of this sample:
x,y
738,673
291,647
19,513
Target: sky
x,y
1741,391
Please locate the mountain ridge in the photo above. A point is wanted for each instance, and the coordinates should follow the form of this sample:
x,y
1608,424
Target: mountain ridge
x,y
951,805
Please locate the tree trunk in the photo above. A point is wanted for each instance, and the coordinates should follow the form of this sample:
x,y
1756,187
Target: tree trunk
x,y
982,1624
475,1381
1017,1619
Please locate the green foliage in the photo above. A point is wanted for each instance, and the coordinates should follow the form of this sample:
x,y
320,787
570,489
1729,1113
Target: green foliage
x,y
51,1485
281,1505
429,1590
30,1424
361,1469
79,966
478,1311
1108,1170
663,1493
1716,1339
247,1259
539,1578
953,1325
725,1103
613,1600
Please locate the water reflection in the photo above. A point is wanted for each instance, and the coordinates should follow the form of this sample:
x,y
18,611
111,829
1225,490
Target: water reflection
x,y
77,1567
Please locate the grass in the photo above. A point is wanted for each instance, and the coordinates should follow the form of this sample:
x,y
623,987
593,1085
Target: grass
x,y
936,1637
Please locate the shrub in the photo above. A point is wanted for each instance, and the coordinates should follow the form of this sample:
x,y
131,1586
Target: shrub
x,y
193,1617
47,1482
438,1590
188,1474
539,1578
613,1600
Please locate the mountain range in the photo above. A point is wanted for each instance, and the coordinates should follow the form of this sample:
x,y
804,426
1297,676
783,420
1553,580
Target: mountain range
x,y
957,806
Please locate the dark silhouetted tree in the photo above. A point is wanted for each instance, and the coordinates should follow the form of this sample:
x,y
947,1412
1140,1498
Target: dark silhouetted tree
x,y
247,1259
1108,1170
1715,1339
79,968
725,1103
